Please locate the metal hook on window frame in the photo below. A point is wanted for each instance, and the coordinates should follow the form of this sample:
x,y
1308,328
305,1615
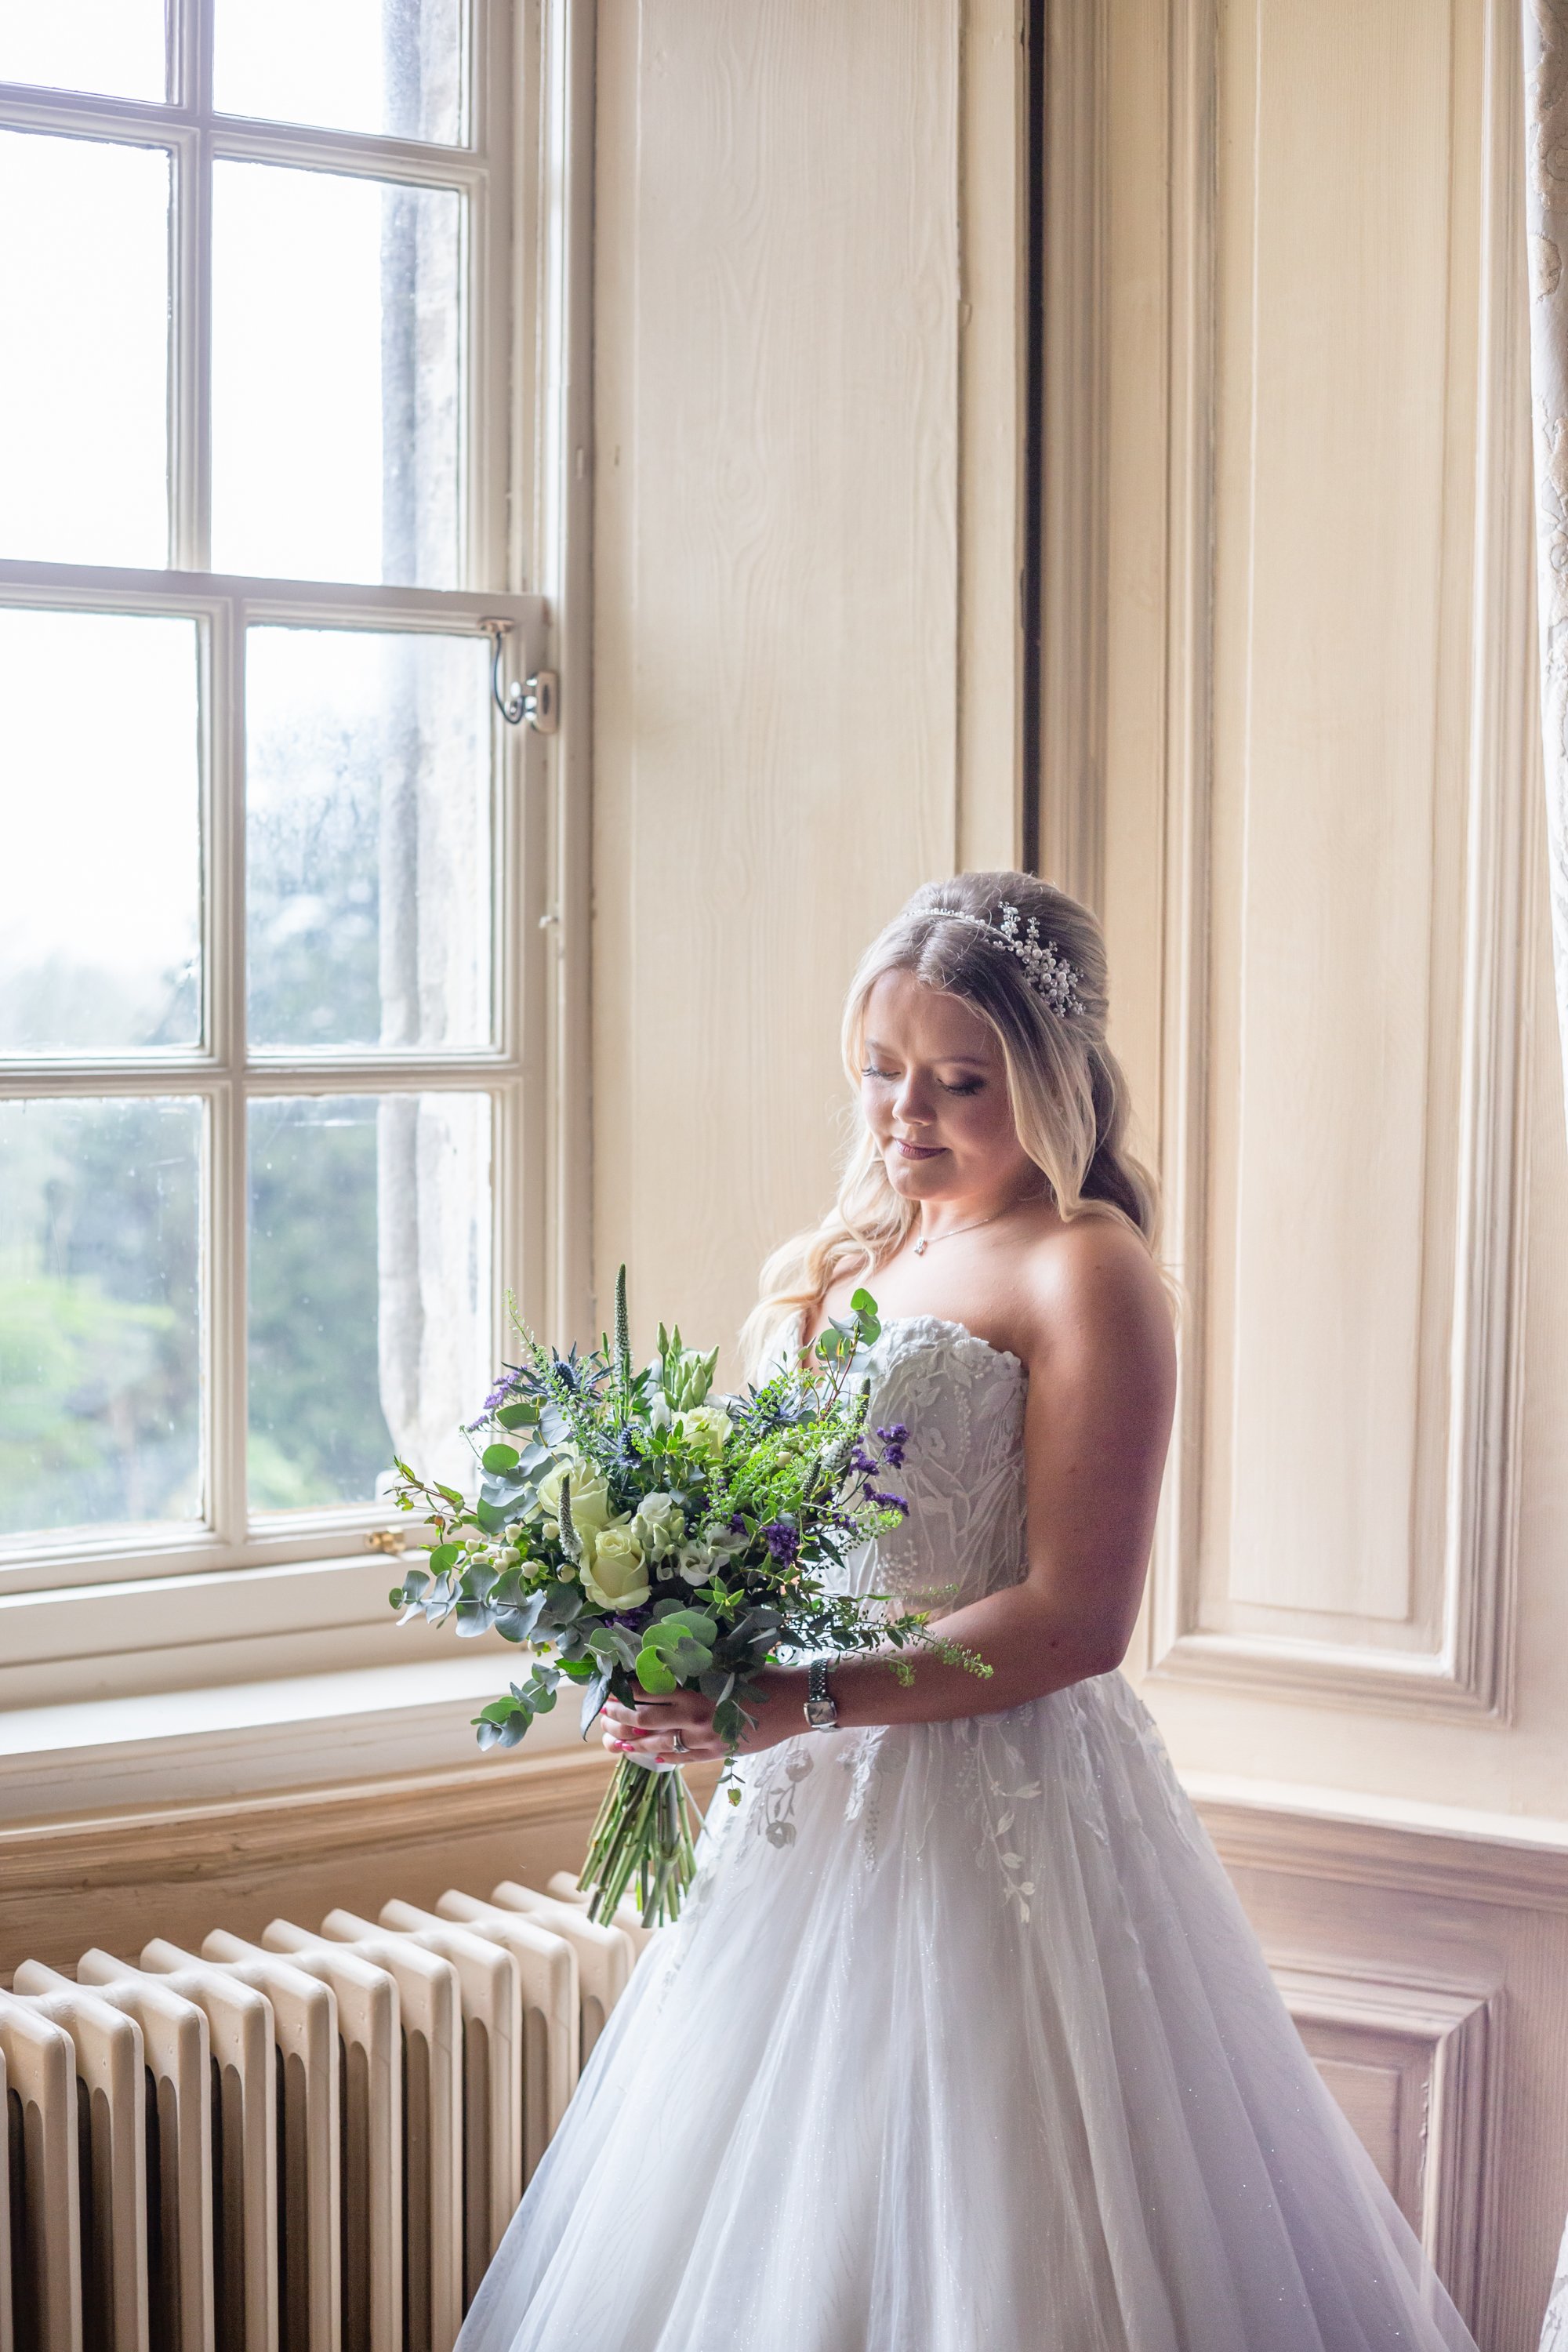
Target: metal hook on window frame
x,y
533,698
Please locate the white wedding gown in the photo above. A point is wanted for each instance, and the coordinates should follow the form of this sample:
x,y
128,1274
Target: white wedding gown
x,y
962,2042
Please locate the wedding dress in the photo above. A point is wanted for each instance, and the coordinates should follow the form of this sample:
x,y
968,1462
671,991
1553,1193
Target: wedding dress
x,y
962,2042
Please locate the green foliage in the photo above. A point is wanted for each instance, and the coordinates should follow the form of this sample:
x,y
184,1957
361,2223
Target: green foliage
x,y
99,1358
317,1429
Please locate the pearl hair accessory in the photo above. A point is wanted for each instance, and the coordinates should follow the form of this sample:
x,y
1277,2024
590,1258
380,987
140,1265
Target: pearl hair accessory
x,y
1050,973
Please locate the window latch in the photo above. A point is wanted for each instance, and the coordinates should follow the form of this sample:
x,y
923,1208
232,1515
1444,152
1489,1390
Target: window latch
x,y
536,700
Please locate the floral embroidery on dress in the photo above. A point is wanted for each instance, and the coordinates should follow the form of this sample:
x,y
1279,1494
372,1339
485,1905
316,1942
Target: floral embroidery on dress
x,y
1000,1842
771,1811
873,1759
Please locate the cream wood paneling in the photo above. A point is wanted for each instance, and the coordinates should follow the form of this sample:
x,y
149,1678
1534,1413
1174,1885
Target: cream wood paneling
x,y
1409,2066
1341,484
805,651
1338,864
1319,888
116,1879
1424,1965
991,231
1343,521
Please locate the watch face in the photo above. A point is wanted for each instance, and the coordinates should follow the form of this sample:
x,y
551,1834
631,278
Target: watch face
x,y
821,1714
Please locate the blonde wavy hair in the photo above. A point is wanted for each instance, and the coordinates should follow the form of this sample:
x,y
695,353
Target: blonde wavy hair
x,y
1069,1096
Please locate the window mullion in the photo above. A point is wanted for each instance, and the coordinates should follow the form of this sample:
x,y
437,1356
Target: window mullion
x,y
190,371
224,1238
190,261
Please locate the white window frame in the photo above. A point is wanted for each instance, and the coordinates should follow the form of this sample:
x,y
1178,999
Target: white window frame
x,y
132,1610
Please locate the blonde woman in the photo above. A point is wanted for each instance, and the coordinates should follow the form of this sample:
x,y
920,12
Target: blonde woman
x,y
964,2043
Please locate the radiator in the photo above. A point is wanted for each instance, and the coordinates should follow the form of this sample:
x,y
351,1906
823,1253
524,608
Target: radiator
x,y
308,2144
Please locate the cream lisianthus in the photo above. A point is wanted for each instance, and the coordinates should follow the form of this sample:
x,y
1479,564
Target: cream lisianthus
x,y
706,1429
659,1525
615,1575
694,1563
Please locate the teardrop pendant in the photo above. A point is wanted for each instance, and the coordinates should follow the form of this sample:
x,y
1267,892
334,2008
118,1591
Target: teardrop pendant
x,y
921,1247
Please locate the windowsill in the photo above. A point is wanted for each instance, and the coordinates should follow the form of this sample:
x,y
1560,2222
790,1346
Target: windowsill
x,y
235,1739
95,1645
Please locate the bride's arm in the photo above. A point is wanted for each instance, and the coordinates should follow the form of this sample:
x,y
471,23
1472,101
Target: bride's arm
x,y
1095,1331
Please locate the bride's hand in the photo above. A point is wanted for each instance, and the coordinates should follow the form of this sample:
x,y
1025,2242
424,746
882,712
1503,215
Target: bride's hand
x,y
649,1729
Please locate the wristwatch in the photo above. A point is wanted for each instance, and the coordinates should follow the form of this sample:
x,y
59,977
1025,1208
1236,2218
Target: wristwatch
x,y
821,1713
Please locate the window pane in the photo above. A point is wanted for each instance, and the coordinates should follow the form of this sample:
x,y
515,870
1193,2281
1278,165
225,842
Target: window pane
x,y
370,1290
113,47
100,1357
392,65
367,830
100,951
84,293
336,379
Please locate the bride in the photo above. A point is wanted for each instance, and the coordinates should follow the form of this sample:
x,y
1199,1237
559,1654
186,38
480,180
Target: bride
x,y
962,2042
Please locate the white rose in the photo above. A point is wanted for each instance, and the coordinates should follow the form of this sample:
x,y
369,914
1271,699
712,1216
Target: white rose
x,y
705,1428
659,1525
614,1575
590,1496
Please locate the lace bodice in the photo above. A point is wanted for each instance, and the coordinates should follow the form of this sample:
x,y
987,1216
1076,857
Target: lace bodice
x,y
962,1400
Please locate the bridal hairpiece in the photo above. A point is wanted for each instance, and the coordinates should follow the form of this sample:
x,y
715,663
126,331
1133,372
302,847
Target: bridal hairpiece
x,y
1049,973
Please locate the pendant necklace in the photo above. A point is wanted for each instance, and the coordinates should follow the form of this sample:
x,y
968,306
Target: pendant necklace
x,y
926,1240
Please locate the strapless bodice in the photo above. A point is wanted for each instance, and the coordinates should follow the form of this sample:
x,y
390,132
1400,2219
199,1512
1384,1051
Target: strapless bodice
x,y
962,1401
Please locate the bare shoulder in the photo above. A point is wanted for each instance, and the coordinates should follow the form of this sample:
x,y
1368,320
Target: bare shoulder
x,y
1091,1289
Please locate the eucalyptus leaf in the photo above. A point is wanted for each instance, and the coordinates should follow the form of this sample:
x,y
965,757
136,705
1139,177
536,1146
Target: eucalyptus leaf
x,y
730,1721
498,1459
655,1675
499,1710
595,1694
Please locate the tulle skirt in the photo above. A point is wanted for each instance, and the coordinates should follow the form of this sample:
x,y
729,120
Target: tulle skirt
x,y
964,2044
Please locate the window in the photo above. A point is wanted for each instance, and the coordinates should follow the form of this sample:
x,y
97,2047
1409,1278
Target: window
x,y
268,984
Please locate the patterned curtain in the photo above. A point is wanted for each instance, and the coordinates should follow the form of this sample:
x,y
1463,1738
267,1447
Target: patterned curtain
x,y
1546,201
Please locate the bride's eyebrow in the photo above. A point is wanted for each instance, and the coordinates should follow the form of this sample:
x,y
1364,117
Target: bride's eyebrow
x,y
970,1061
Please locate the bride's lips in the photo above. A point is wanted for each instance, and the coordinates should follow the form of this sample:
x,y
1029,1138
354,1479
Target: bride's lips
x,y
917,1150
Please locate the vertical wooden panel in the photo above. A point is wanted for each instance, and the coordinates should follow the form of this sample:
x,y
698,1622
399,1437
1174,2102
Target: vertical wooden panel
x,y
1342,843
1344,511
776,376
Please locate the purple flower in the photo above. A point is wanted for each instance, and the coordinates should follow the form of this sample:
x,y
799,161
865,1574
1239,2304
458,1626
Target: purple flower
x,y
887,1502
893,1442
508,1381
783,1538
863,1462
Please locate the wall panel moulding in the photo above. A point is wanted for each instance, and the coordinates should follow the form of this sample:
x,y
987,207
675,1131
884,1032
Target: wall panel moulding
x,y
1349,760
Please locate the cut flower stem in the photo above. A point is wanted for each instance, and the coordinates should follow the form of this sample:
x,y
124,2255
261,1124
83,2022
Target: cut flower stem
x,y
646,1832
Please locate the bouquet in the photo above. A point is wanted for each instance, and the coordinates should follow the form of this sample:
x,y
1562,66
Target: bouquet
x,y
640,1535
